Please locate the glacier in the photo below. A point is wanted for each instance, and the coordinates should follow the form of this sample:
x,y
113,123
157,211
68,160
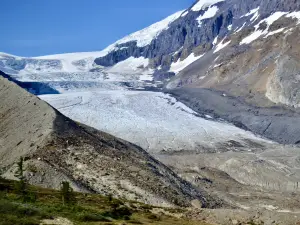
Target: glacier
x,y
153,120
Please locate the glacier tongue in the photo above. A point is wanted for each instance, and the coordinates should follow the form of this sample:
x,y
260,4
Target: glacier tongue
x,y
152,120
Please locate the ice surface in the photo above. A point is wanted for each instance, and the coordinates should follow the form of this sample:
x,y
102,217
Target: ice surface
x,y
152,120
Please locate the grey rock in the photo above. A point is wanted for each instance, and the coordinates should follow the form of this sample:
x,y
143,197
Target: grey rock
x,y
185,33
275,123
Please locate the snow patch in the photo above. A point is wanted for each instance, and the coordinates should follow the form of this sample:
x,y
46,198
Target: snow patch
x,y
184,14
253,12
146,77
216,58
229,27
221,45
257,33
284,211
218,65
241,28
145,36
202,4
291,29
177,51
271,19
209,13
254,17
130,65
252,37
269,207
294,15
215,40
176,67
274,32
5,55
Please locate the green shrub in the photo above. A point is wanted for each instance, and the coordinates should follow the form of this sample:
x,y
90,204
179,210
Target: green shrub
x,y
153,217
32,168
135,222
67,194
92,217
119,212
14,220
17,214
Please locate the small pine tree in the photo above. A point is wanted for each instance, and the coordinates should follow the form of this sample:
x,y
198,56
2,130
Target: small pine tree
x,y
110,198
21,185
67,194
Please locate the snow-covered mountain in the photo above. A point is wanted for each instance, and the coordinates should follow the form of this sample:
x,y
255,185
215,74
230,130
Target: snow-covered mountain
x,y
231,69
171,45
241,48
84,61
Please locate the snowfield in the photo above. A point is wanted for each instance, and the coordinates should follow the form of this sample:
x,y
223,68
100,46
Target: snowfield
x,y
176,67
82,61
153,120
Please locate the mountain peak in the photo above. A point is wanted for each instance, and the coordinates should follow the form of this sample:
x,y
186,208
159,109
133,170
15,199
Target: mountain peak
x,y
202,4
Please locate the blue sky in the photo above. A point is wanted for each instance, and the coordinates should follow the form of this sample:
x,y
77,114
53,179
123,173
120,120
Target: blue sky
x,y
42,27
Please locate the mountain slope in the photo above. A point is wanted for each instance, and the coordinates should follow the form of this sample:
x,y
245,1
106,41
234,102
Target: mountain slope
x,y
190,44
61,149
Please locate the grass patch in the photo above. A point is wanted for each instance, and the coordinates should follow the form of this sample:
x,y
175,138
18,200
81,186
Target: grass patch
x,y
90,209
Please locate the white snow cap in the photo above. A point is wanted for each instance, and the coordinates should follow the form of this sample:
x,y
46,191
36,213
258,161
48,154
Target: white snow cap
x,y
142,37
145,36
209,13
202,4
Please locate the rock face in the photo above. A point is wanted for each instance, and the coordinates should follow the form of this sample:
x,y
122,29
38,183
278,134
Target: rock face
x,y
275,123
186,34
61,149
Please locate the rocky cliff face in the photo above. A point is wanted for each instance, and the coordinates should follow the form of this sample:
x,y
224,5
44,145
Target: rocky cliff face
x,y
239,47
196,29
